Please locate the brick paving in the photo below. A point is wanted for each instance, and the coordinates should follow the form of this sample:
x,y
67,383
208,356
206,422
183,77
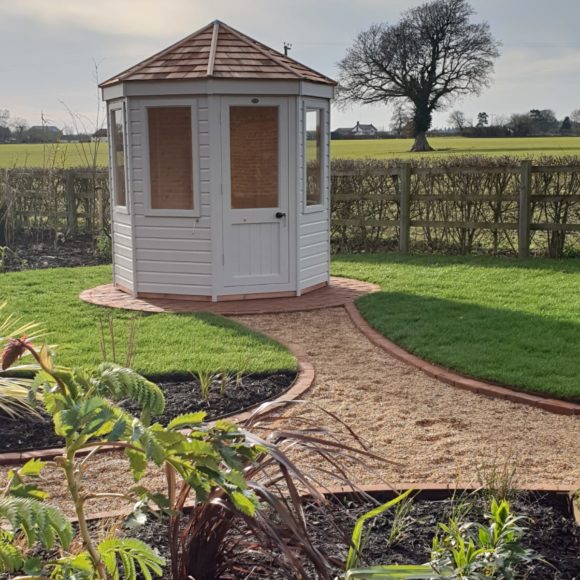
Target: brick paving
x,y
339,292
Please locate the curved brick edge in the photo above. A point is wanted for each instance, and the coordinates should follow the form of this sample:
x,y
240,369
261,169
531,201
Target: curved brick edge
x,y
455,379
303,381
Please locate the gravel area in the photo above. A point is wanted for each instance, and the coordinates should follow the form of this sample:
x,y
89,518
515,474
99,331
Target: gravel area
x,y
434,432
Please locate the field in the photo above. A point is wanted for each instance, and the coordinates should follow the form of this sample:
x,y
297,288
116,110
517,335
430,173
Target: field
x,y
514,322
399,148
53,155
75,154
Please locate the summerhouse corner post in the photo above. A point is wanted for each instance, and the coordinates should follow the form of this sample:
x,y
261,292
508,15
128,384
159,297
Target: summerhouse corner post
x,y
524,209
404,207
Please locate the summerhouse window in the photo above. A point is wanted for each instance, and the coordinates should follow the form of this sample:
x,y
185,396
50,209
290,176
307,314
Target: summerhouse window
x,y
170,158
314,154
117,125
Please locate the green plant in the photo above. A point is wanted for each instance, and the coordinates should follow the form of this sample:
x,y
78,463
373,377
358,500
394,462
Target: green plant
x,y
15,399
402,520
83,409
497,477
356,541
104,246
467,550
464,551
206,380
200,540
108,339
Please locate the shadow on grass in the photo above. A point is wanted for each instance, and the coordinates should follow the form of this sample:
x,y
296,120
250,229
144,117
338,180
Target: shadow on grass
x,y
531,353
564,265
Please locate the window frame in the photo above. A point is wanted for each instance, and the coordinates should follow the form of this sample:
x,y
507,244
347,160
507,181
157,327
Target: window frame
x,y
147,104
322,108
113,110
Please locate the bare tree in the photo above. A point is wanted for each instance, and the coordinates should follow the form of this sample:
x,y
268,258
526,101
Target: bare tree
x,y
433,54
458,121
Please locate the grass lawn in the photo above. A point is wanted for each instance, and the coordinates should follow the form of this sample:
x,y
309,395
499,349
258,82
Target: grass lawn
x,y
517,323
75,154
166,343
399,148
56,155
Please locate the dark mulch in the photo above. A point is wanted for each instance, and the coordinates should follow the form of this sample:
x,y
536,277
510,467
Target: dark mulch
x,y
181,396
552,533
32,253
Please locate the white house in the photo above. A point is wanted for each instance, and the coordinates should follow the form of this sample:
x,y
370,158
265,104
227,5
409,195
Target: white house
x,y
216,194
359,130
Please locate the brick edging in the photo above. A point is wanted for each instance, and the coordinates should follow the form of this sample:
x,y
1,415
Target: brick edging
x,y
395,489
303,381
455,379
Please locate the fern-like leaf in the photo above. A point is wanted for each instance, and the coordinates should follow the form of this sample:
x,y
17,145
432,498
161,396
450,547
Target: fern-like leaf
x,y
119,383
39,522
133,555
11,559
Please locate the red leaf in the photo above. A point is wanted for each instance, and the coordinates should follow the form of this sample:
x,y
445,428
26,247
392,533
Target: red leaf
x,y
15,348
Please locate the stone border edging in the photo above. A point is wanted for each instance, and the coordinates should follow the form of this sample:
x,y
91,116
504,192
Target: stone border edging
x,y
302,383
455,379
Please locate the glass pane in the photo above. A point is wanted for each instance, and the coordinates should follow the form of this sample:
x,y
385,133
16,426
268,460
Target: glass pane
x,y
118,143
313,157
170,157
254,156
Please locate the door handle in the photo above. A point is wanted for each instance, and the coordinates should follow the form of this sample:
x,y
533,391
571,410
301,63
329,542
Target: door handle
x,y
280,215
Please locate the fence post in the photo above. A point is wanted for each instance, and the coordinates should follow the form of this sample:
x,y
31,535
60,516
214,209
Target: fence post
x,y
524,209
404,207
70,200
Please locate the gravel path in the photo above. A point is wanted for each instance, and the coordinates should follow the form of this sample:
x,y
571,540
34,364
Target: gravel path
x,y
433,431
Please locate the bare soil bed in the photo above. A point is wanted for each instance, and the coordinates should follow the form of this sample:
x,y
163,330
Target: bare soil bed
x,y
182,395
31,253
552,534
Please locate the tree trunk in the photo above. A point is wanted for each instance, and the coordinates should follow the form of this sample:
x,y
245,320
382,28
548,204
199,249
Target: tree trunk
x,y
421,143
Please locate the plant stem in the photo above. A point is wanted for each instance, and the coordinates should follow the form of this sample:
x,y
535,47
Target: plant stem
x,y
79,509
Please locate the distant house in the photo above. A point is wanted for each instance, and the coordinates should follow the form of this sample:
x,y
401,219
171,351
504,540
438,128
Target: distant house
x,y
358,130
100,135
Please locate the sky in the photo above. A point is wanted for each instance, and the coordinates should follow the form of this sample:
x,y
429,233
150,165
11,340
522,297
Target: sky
x,y
52,51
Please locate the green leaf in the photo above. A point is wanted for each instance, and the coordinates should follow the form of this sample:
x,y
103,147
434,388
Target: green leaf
x,y
137,462
243,503
356,539
392,573
32,468
132,554
32,566
38,521
188,420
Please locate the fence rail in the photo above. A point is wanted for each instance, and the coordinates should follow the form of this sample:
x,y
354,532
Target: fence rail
x,y
41,202
494,206
458,205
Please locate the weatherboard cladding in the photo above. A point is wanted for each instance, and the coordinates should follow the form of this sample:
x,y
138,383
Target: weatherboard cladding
x,y
219,51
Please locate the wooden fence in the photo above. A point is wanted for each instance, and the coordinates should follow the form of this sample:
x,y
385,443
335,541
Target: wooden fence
x,y
39,203
480,208
455,205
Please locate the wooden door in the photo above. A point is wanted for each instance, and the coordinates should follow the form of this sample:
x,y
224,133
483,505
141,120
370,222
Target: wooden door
x,y
255,193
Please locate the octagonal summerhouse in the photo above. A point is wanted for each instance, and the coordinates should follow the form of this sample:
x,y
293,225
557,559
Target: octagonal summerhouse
x,y
219,156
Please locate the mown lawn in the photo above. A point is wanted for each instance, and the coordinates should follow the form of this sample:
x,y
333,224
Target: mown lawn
x,y
166,343
517,323
80,155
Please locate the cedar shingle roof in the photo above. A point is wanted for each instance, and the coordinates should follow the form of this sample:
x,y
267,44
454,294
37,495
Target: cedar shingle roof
x,y
218,51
